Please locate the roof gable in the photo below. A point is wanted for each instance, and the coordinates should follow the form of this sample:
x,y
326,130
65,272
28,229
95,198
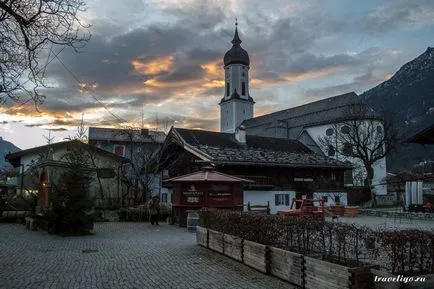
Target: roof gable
x,y
13,157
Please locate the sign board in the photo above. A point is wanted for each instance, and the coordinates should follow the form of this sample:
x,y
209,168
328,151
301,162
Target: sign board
x,y
219,194
192,192
220,187
192,200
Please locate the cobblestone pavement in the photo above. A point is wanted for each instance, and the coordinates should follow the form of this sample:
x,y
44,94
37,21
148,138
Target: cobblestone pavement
x,y
119,255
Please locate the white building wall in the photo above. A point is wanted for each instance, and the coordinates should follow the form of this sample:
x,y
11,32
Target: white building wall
x,y
359,173
227,117
262,197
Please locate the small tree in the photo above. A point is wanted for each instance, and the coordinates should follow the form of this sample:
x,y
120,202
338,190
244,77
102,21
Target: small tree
x,y
364,137
70,199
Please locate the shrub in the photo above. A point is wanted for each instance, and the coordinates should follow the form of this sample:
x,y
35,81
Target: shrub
x,y
399,252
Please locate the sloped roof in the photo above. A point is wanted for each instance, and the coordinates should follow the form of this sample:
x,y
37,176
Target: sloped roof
x,y
209,175
13,158
112,134
425,136
223,148
329,110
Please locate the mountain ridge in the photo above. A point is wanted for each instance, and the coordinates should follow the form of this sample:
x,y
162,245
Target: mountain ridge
x,y
408,94
5,148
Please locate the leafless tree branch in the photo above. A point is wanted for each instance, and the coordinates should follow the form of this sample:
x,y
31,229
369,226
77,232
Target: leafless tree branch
x,y
28,29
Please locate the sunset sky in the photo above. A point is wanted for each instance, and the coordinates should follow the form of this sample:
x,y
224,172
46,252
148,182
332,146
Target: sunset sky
x,y
162,60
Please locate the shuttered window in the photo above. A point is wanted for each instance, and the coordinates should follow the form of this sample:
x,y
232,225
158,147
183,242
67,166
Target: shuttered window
x,y
281,199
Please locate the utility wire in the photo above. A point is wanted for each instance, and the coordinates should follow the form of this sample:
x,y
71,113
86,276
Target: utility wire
x,y
43,68
121,120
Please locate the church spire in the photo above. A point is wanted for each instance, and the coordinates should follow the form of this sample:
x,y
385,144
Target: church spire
x,y
236,40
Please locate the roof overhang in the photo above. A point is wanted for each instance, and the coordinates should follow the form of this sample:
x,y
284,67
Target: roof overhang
x,y
426,136
267,164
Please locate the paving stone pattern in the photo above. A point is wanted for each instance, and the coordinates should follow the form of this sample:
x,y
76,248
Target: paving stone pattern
x,y
119,255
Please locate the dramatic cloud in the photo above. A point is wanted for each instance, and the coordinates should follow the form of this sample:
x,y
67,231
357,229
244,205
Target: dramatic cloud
x,y
165,57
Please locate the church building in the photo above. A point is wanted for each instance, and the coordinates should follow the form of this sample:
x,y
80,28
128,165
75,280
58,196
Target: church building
x,y
236,104
307,123
281,168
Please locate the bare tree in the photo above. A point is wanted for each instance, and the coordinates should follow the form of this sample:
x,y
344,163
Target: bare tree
x,y
362,136
29,29
81,133
143,145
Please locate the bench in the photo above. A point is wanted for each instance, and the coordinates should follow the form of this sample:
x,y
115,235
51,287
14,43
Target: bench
x,y
259,208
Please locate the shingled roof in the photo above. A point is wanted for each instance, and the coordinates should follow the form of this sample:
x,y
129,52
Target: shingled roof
x,y
329,110
223,148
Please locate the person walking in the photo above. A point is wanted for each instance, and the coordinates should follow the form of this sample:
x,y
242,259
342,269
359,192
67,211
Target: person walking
x,y
154,210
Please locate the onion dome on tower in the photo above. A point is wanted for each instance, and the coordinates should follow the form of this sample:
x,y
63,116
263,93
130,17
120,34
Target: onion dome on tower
x,y
236,55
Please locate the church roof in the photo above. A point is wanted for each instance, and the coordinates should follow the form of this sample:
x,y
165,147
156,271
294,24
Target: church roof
x,y
223,148
236,55
325,111
425,136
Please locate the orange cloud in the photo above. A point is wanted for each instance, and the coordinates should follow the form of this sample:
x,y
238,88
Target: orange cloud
x,y
153,66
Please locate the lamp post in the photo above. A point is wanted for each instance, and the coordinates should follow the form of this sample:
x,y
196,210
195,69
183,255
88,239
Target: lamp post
x,y
22,179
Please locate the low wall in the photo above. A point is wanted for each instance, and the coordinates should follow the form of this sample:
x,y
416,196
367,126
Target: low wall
x,y
202,236
303,271
287,265
233,247
255,255
215,241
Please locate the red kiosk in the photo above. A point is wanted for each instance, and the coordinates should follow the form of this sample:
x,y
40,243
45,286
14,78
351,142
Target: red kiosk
x,y
205,188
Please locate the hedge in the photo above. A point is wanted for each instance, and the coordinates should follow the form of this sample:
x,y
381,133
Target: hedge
x,y
397,252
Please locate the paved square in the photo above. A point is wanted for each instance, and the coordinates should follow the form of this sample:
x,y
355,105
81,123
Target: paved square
x,y
119,255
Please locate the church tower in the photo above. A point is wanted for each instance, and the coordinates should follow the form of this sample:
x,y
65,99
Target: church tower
x,y
236,104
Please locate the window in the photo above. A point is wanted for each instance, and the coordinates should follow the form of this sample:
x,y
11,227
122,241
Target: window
x,y
119,150
379,129
347,150
243,88
345,129
330,132
348,178
325,199
281,199
228,89
337,199
164,198
331,151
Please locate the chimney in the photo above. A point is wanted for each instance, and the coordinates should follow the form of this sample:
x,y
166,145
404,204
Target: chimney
x,y
240,134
